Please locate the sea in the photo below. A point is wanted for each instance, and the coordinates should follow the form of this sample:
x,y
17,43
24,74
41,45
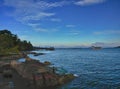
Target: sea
x,y
94,69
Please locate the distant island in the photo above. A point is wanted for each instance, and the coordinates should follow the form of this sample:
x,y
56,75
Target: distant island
x,y
117,47
44,48
96,47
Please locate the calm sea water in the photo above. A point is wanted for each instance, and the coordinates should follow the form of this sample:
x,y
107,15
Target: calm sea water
x,y
96,69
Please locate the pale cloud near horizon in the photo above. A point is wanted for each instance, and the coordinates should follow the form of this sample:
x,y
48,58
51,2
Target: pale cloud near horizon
x,y
103,44
46,30
23,37
74,32
107,32
37,27
89,2
79,45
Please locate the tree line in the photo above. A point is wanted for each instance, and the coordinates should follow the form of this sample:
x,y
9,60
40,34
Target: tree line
x,y
10,43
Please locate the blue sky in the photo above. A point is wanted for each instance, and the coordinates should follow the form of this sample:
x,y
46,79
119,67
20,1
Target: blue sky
x,y
63,23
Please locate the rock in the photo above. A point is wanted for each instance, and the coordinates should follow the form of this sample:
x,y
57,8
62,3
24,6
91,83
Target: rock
x,y
34,53
4,85
12,57
37,54
47,63
66,78
40,74
7,71
14,63
28,59
46,80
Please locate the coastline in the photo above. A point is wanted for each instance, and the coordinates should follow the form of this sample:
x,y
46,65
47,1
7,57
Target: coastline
x,y
38,74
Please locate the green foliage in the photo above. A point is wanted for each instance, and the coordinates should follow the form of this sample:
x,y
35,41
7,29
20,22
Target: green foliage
x,y
10,43
7,51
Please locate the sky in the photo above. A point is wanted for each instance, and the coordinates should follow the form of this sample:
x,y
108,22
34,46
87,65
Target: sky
x,y
63,23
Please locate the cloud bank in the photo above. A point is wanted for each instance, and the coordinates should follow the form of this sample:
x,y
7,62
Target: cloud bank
x,y
31,12
107,32
102,44
89,2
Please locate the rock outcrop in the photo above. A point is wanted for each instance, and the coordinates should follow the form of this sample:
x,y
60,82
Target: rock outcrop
x,y
39,74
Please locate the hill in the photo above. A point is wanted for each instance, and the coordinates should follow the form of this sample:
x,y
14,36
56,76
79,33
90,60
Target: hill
x,y
10,43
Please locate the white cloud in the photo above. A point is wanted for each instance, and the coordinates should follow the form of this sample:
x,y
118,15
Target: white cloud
x,y
41,29
26,11
33,4
36,17
33,25
70,25
74,32
98,44
37,27
45,30
107,32
89,2
56,20
24,8
23,37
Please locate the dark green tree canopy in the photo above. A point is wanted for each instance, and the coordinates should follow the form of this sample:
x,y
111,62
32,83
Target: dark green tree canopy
x,y
11,43
5,32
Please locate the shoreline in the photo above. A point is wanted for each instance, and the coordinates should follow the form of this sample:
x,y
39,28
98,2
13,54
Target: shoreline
x,y
38,74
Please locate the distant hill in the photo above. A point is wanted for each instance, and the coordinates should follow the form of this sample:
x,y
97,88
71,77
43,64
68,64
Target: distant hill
x,y
96,48
45,48
117,47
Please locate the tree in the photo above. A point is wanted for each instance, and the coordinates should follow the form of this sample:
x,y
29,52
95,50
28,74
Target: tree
x,y
11,43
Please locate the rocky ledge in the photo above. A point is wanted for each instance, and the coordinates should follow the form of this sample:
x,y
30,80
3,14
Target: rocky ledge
x,y
40,75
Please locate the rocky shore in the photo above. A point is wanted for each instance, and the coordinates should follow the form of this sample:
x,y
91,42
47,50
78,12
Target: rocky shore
x,y
38,75
18,55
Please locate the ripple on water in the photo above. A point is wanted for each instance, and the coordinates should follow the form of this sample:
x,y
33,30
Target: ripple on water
x,y
96,69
